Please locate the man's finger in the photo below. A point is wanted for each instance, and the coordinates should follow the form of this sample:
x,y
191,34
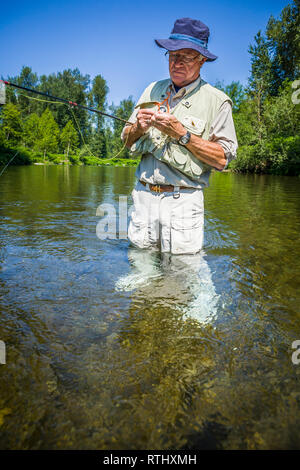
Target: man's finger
x,y
146,112
161,118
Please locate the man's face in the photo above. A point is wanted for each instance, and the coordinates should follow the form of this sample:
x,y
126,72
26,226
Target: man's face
x,y
182,73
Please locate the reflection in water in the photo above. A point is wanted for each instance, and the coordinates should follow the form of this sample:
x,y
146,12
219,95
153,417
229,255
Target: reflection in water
x,y
92,367
184,279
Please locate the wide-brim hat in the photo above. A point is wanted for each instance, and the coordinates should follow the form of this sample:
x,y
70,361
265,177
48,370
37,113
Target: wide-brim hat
x,y
188,34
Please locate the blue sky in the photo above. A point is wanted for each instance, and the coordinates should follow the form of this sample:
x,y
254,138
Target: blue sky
x,y
116,38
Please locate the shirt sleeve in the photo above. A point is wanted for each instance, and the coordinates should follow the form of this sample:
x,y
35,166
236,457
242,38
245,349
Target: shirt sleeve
x,y
222,131
131,119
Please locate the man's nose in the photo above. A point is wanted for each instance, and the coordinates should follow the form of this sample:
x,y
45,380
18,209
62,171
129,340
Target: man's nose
x,y
177,62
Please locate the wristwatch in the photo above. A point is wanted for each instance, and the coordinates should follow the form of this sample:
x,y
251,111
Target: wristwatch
x,y
184,139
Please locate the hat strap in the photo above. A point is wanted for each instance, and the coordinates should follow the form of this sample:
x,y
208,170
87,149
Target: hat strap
x,y
185,37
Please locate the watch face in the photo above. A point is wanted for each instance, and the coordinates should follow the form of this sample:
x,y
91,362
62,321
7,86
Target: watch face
x,y
185,138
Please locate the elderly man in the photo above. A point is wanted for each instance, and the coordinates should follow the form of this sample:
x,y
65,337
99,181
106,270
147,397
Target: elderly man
x,y
183,128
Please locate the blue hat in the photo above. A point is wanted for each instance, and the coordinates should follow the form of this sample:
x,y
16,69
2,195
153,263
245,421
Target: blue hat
x,y
188,34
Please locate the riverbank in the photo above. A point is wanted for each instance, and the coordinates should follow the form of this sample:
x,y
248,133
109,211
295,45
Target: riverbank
x,y
105,162
23,156
280,159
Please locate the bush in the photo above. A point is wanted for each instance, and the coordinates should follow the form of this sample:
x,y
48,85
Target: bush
x,y
284,155
24,156
280,155
75,160
248,160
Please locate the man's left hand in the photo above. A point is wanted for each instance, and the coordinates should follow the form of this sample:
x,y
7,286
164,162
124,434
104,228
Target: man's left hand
x,y
168,124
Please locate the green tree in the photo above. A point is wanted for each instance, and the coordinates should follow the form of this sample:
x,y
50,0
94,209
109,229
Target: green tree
x,y
283,37
260,79
281,116
97,98
98,143
261,67
28,79
69,138
11,124
31,130
69,85
275,55
48,133
267,122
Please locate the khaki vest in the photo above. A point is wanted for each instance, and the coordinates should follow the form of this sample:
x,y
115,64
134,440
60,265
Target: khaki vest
x,y
196,111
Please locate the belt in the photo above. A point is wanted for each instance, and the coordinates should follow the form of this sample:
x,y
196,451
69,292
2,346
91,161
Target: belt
x,y
161,188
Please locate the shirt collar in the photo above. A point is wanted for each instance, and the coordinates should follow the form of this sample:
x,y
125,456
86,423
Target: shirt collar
x,y
186,89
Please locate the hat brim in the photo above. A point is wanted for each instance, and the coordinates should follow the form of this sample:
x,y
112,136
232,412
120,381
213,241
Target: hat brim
x,y
176,44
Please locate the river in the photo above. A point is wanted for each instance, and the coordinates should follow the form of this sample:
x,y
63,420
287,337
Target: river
x,y
90,365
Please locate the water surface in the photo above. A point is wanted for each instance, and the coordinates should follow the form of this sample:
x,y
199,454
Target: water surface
x,y
89,366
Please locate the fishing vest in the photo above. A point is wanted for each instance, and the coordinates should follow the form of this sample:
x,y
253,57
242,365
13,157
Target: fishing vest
x,y
196,112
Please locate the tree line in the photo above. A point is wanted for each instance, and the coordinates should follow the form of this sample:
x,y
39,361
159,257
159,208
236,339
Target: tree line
x,y
45,130
266,111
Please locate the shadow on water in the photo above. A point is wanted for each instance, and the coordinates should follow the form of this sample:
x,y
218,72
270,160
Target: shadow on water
x,y
103,349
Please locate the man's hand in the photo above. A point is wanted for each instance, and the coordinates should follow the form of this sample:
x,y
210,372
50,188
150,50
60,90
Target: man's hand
x,y
144,117
208,152
165,122
143,122
168,124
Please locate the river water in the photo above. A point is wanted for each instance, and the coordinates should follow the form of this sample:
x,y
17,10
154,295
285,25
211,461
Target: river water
x,y
92,365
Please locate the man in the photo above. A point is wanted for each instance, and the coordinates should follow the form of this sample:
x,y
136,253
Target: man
x,y
183,128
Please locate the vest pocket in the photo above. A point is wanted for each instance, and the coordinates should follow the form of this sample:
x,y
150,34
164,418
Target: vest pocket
x,y
151,142
182,159
196,168
180,154
194,124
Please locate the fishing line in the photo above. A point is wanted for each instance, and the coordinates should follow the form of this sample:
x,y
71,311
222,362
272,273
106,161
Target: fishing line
x,y
38,99
9,162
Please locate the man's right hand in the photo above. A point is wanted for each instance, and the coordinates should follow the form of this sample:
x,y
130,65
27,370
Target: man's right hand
x,y
144,119
142,124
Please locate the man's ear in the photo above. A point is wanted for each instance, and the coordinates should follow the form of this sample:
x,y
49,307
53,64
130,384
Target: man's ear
x,y
204,59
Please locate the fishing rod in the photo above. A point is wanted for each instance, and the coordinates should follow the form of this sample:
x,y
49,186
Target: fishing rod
x,y
69,102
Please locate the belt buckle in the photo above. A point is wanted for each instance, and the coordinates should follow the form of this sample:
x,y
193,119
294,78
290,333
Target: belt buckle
x,y
156,188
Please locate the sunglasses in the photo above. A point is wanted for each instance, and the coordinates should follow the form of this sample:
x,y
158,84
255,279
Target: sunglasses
x,y
185,59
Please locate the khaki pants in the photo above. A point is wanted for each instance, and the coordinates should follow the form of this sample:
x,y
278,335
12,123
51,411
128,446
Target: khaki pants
x,y
171,222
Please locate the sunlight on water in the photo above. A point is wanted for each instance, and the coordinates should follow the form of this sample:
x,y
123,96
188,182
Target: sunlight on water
x,y
109,347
